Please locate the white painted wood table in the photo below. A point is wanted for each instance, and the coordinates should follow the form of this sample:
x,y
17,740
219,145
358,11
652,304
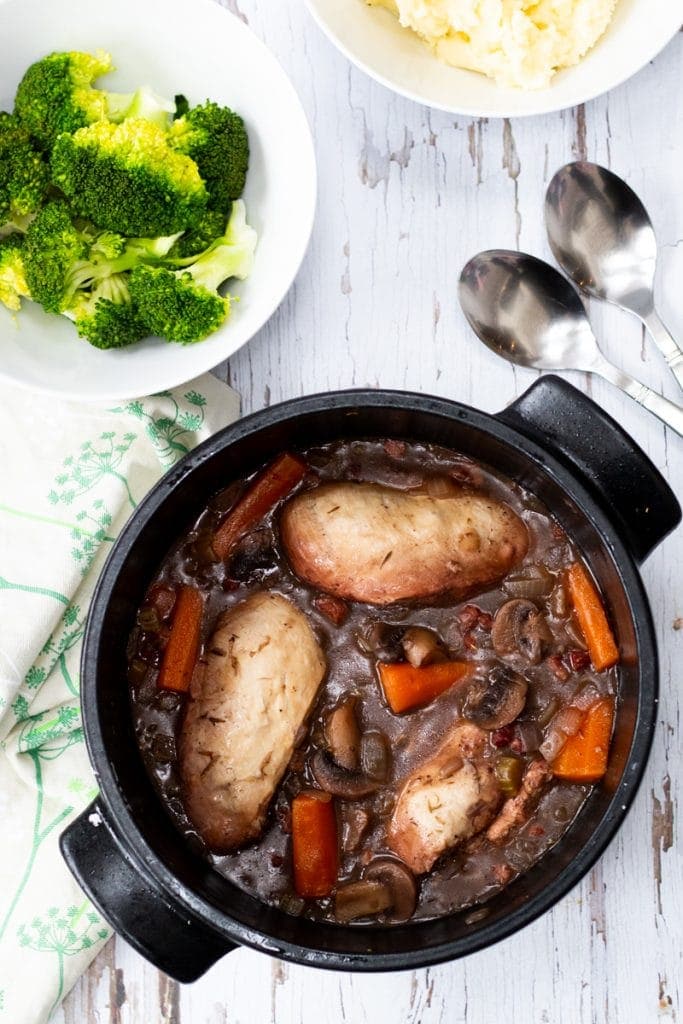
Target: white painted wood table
x,y
406,196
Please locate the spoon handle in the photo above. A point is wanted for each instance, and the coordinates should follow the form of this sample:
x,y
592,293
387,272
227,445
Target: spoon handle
x,y
668,412
667,345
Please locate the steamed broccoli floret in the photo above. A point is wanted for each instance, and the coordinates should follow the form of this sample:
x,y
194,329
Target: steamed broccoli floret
x,y
24,175
184,305
126,178
106,316
192,243
56,94
55,255
217,141
62,258
13,285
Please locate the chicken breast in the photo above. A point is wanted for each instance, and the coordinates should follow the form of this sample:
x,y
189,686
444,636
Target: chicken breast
x,y
517,809
262,673
371,543
445,801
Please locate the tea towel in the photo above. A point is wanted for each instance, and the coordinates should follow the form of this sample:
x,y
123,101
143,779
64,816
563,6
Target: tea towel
x,y
70,476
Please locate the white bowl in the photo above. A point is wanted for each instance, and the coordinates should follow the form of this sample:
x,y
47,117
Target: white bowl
x,y
372,38
197,48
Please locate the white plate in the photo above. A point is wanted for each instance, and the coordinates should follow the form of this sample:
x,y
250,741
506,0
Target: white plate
x,y
372,38
197,48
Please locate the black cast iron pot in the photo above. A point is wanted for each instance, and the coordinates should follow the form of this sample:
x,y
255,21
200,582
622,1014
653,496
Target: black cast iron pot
x,y
125,852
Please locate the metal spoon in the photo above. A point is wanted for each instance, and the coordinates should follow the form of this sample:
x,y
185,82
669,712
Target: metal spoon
x,y
601,235
528,313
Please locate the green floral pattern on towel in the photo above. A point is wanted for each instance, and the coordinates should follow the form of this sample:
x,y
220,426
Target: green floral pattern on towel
x,y
95,461
170,434
64,934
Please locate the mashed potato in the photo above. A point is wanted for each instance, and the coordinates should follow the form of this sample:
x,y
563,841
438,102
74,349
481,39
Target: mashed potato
x,y
519,43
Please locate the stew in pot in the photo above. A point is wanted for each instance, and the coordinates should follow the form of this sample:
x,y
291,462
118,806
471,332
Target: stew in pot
x,y
374,682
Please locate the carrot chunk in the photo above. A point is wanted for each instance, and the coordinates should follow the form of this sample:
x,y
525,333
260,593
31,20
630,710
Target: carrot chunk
x,y
276,481
592,618
315,853
406,687
583,758
180,654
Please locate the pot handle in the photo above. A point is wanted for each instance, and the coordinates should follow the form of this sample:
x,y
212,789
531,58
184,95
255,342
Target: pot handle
x,y
619,475
173,940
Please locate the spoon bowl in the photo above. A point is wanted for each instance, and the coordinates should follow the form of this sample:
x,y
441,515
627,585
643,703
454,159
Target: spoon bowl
x,y
602,237
527,312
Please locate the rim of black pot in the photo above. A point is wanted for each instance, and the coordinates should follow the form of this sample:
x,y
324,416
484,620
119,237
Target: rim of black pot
x,y
219,918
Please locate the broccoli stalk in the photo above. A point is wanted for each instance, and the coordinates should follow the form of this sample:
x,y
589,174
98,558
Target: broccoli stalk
x,y
144,103
110,253
184,305
13,285
106,316
126,179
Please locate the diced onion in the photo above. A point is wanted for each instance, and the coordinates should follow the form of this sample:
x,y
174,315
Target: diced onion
x,y
568,719
532,582
566,723
586,697
553,744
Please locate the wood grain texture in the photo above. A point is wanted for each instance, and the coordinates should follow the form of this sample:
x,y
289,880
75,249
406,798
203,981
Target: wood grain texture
x,y
406,196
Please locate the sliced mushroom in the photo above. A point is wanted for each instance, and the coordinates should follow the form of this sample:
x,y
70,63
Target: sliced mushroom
x,y
520,628
400,880
339,781
422,647
383,639
497,700
343,735
361,899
